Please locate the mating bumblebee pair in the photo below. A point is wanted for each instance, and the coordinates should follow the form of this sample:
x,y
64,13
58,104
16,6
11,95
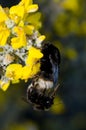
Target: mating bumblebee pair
x,y
41,92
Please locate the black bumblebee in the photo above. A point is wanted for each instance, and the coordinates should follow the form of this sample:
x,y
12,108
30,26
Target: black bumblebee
x,y
41,92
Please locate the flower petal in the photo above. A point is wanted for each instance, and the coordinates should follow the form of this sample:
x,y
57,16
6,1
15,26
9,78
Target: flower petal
x,y
34,56
14,71
32,8
29,29
17,10
4,86
20,40
39,40
3,15
26,3
36,53
4,34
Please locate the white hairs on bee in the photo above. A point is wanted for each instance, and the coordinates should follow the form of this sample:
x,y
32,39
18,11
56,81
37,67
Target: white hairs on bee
x,y
45,84
42,84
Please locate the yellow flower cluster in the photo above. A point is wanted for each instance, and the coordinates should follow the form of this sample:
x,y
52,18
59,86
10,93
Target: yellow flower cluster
x,y
17,71
15,22
18,30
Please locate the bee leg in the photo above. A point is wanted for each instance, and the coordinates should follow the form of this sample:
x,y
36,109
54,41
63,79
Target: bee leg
x,y
55,90
33,83
44,91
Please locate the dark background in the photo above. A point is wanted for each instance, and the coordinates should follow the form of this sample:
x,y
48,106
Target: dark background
x,y
65,26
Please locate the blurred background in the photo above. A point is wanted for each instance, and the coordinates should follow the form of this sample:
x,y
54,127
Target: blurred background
x,y
64,24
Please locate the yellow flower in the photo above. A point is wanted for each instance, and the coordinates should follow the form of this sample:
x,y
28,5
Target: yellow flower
x,y
15,18
39,40
26,2
34,56
32,67
21,23
17,10
32,8
3,16
16,24
28,6
4,85
26,72
20,40
4,34
15,81
29,29
30,71
35,69
21,10
31,61
35,53
36,23
14,71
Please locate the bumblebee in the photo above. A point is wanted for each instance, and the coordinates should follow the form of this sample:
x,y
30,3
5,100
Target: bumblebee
x,y
41,92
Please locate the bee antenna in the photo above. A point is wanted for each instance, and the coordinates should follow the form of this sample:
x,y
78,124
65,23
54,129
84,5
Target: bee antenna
x,y
55,90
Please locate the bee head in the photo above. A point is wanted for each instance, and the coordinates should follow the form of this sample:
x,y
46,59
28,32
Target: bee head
x,y
44,104
48,101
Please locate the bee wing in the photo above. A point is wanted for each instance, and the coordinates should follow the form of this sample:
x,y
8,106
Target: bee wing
x,y
55,71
